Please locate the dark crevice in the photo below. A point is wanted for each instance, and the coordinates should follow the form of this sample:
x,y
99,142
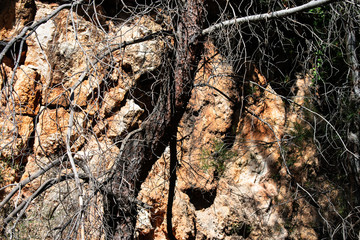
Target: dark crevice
x,y
123,9
145,93
127,68
231,132
111,209
28,150
105,86
195,230
200,198
17,51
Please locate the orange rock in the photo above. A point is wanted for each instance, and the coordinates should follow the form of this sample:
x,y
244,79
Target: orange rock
x,y
51,130
26,91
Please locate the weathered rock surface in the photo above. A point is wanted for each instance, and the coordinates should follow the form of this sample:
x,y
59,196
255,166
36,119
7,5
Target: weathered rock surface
x,y
234,167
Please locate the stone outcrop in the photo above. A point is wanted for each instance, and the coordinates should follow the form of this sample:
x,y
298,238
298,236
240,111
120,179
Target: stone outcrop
x,y
241,172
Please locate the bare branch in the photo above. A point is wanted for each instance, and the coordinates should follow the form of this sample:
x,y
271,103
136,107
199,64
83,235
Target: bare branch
x,y
267,16
46,185
71,159
31,178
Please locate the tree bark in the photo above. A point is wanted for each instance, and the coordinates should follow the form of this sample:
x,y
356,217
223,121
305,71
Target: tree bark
x,y
353,131
143,148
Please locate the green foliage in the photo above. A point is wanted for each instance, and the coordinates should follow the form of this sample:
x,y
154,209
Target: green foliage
x,y
4,164
251,89
301,134
341,206
350,111
239,229
319,16
293,149
317,67
291,160
289,226
1,175
216,157
7,164
276,176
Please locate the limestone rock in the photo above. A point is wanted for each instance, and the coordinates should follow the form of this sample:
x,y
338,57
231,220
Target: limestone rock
x,y
39,42
52,128
203,124
142,57
241,203
99,155
15,132
112,100
68,54
154,193
183,217
126,118
208,119
26,91
236,139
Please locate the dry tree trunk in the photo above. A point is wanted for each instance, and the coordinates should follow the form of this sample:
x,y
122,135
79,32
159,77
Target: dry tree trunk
x,y
140,151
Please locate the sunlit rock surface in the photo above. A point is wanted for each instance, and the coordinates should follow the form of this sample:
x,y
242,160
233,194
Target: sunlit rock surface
x,y
233,178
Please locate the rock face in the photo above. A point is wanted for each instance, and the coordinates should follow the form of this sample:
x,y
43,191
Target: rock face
x,y
246,161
